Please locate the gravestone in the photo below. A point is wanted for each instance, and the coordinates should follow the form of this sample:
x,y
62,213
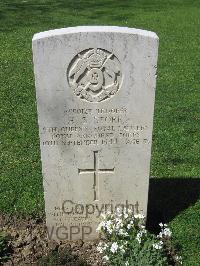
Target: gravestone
x,y
95,90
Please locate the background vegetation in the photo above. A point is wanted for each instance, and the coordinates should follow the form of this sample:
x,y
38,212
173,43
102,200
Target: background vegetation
x,y
176,124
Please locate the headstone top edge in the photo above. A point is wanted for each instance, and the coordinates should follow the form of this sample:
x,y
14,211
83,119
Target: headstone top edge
x,y
80,29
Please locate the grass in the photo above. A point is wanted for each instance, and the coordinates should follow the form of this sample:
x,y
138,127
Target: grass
x,y
176,124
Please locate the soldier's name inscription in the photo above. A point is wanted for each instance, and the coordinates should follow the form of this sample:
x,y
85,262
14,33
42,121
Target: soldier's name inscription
x,y
106,127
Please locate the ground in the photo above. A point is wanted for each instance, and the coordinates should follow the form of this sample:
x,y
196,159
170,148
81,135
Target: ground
x,y
175,153
28,245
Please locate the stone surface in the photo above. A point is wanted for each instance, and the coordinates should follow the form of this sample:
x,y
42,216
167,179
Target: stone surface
x,y
95,97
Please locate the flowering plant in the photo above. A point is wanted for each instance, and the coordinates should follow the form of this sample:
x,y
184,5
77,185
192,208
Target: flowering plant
x,y
125,241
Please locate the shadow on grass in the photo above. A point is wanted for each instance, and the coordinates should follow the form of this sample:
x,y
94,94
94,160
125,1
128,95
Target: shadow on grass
x,y
168,197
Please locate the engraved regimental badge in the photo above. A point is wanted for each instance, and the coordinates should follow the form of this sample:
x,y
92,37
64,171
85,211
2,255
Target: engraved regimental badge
x,y
95,75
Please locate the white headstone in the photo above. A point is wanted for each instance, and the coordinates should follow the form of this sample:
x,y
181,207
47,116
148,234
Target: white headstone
x,y
95,97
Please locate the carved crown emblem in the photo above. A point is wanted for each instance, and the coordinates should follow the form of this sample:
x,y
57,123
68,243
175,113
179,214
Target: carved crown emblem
x,y
97,59
95,75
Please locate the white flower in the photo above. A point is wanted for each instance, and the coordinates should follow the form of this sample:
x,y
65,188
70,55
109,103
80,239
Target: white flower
x,y
129,226
167,232
100,244
122,232
114,247
158,245
126,215
144,231
101,247
130,211
119,223
118,213
106,258
108,226
118,220
103,215
110,231
126,263
122,249
139,216
138,237
179,259
118,210
124,210
101,226
161,224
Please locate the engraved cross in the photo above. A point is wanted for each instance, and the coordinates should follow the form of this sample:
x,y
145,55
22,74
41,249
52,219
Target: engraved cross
x,y
96,170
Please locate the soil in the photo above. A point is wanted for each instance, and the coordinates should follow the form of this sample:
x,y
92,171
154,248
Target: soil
x,y
29,245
